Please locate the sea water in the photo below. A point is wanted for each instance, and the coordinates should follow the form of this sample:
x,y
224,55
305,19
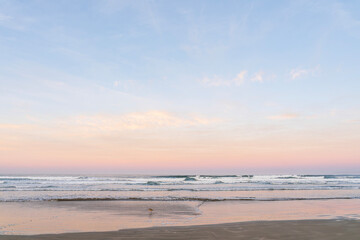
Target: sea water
x,y
16,188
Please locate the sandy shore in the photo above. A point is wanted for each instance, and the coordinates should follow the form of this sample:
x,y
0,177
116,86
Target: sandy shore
x,y
302,229
34,218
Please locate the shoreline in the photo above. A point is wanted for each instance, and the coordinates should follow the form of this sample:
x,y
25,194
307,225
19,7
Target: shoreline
x,y
287,229
35,218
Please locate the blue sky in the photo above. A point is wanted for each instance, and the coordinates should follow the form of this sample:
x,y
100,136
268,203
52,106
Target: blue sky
x,y
245,72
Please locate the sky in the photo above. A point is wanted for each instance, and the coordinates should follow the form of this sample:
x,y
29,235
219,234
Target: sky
x,y
179,86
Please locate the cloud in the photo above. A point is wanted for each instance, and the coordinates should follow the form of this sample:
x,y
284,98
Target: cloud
x,y
240,78
300,72
124,84
110,125
296,73
215,82
15,22
146,11
258,77
4,18
7,21
14,126
136,121
285,116
354,121
345,18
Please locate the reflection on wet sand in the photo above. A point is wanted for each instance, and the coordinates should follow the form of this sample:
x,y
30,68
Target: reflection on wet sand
x,y
84,216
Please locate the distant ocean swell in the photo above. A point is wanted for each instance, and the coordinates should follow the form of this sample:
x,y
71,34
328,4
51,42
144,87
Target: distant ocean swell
x,y
172,199
179,187
296,188
181,179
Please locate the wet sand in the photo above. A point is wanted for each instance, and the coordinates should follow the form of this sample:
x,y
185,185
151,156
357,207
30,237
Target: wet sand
x,y
331,219
301,229
35,218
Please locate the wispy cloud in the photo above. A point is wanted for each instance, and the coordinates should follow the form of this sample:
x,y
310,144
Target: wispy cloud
x,y
240,78
354,121
8,22
136,121
4,18
15,22
6,126
146,10
346,18
285,116
86,127
301,72
296,73
258,77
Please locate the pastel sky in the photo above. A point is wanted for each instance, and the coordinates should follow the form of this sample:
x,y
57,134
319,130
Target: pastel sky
x,y
180,86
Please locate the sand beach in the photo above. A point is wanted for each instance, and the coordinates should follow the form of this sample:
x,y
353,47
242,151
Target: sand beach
x,y
265,230
309,219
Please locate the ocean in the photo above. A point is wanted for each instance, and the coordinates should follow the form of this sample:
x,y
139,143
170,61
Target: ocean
x,y
27,188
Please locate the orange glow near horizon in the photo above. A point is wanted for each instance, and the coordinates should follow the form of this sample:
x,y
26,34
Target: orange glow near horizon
x,y
179,146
